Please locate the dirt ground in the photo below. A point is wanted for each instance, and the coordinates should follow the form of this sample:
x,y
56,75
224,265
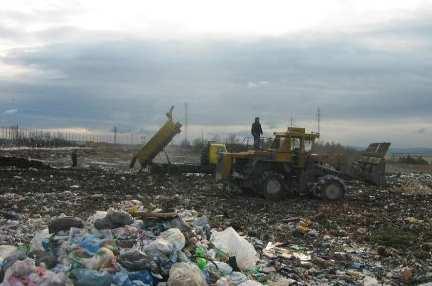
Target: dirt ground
x,y
378,232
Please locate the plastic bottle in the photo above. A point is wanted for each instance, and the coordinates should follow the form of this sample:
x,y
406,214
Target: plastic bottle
x,y
200,252
202,263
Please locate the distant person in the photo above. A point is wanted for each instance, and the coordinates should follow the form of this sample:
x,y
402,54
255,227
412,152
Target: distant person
x,y
74,157
256,131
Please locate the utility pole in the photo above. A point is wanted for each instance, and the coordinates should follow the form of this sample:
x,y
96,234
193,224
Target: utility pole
x,y
115,134
186,123
319,119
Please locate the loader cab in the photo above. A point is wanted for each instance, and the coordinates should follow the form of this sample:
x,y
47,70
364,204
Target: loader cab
x,y
211,153
293,145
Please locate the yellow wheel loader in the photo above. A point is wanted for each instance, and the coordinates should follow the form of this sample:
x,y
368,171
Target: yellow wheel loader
x,y
286,168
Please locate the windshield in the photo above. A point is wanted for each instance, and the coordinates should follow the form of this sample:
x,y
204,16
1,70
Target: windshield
x,y
308,146
295,143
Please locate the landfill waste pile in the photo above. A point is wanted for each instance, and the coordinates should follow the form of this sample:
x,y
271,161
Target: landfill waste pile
x,y
375,236
115,248
412,182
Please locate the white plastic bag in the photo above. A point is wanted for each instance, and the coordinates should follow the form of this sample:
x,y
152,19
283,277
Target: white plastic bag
x,y
168,242
186,274
237,278
6,251
223,282
370,281
38,238
175,237
230,242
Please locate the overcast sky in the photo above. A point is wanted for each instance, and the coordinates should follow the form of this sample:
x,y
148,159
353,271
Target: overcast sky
x,y
97,63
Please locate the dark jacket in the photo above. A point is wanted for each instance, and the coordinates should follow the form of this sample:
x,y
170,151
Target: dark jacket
x,y
256,129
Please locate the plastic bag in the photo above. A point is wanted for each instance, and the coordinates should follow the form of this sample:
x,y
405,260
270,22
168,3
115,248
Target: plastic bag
x,y
38,240
237,278
175,237
119,218
133,279
202,225
134,260
158,248
86,277
370,281
6,251
9,261
126,232
90,243
223,282
142,276
18,272
186,274
163,255
97,215
113,219
167,243
219,269
233,244
43,277
103,259
121,279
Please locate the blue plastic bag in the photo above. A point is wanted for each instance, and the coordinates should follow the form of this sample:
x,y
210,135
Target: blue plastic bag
x,y
143,276
87,277
90,243
122,279
139,278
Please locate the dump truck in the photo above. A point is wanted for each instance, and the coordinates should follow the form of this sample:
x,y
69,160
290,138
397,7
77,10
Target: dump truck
x,y
161,139
287,168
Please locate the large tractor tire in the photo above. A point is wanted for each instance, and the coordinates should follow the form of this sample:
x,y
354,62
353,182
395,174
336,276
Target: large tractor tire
x,y
331,188
272,185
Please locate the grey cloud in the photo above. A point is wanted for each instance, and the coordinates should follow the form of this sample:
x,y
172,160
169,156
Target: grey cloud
x,y
10,111
421,131
118,78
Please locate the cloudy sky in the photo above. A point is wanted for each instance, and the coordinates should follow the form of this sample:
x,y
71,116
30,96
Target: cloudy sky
x,y
97,63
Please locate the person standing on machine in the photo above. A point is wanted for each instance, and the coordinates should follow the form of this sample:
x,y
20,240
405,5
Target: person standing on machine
x,y
256,131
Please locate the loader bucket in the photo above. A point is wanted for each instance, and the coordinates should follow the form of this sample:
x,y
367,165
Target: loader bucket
x,y
371,166
158,142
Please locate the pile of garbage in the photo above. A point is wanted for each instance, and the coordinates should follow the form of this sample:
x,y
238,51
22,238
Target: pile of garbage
x,y
130,246
376,236
414,182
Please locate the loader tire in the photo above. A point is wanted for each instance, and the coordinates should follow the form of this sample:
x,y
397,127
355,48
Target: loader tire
x,y
272,185
331,188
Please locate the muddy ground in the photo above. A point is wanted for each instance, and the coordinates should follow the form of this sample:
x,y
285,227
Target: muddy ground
x,y
372,232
